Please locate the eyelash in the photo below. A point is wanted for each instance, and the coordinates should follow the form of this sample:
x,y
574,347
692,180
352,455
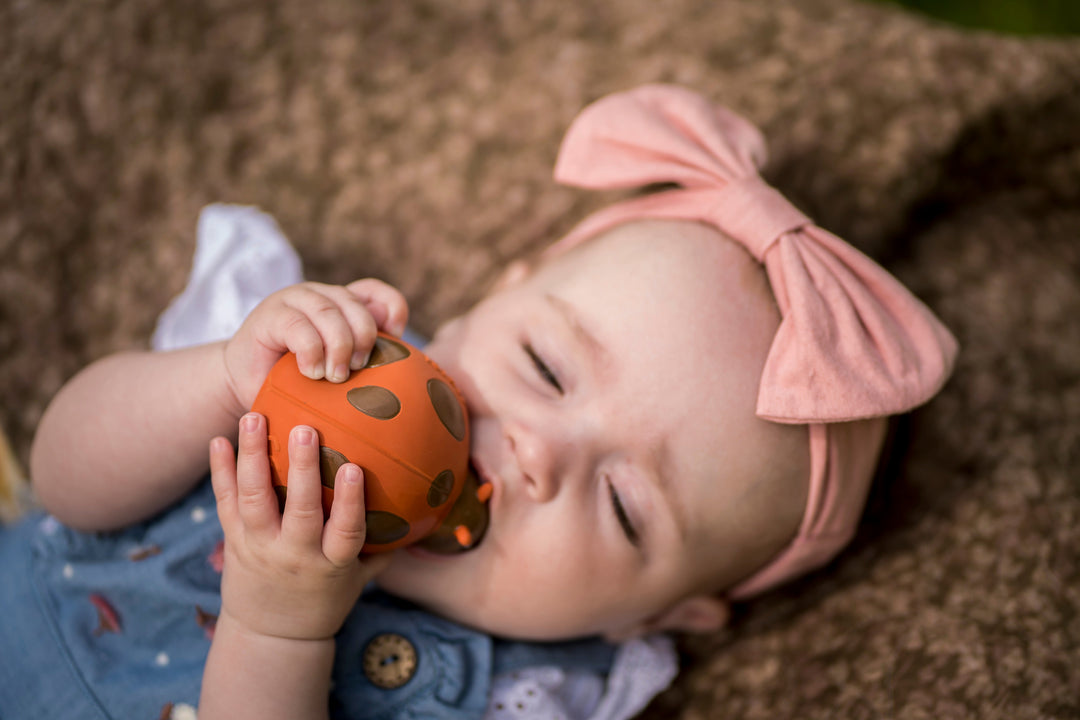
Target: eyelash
x,y
624,519
541,367
620,512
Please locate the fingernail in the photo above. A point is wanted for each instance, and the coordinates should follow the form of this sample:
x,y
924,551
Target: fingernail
x,y
349,474
303,435
338,374
359,360
249,423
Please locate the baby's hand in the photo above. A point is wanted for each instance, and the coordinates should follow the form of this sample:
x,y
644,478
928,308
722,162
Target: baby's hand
x,y
288,575
330,328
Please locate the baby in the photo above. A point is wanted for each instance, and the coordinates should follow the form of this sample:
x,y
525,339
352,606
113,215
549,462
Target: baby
x,y
679,405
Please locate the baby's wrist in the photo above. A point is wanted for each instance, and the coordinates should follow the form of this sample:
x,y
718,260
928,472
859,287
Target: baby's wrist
x,y
271,640
253,674
231,391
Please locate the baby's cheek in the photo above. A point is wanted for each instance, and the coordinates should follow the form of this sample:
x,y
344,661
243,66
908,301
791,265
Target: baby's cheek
x,y
554,589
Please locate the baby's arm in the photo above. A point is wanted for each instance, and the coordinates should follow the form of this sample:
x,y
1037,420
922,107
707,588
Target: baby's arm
x,y
289,581
127,436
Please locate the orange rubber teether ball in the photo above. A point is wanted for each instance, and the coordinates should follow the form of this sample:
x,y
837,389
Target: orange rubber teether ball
x,y
401,419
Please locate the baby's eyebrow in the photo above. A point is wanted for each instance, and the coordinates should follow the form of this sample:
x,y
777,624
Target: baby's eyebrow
x,y
665,481
597,353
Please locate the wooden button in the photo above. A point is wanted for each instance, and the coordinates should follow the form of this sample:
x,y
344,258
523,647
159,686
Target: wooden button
x,y
389,661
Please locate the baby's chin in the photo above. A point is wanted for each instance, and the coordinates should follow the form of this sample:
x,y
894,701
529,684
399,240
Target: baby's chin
x,y
440,585
429,594
482,613
422,577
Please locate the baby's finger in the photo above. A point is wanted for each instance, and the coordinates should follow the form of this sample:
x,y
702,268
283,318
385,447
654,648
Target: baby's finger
x,y
361,337
297,333
323,339
385,303
256,503
345,327
223,480
302,521
344,534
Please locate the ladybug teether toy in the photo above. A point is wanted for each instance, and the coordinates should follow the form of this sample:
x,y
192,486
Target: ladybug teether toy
x,y
401,419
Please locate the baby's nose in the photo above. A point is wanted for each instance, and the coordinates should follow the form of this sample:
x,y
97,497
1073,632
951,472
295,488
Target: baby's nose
x,y
539,459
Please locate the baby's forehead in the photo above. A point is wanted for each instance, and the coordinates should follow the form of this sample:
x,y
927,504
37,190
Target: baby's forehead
x,y
709,281
686,313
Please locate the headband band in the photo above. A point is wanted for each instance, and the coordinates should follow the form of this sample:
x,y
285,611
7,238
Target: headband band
x,y
853,346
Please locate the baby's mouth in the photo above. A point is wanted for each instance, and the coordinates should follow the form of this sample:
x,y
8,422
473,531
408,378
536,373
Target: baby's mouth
x,y
464,527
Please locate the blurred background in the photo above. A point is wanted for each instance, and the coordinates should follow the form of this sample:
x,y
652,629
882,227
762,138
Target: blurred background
x,y
1022,17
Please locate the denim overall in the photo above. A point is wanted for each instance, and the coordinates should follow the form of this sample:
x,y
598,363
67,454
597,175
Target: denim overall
x,y
118,625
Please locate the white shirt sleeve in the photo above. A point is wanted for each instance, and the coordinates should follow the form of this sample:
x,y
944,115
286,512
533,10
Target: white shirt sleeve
x,y
241,256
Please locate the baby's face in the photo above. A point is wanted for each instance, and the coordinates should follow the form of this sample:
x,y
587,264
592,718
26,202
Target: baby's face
x,y
611,395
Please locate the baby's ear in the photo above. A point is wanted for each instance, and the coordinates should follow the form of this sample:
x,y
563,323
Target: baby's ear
x,y
511,275
694,614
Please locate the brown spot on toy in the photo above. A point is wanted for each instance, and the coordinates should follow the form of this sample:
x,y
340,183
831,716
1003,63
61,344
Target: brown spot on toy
x,y
447,407
384,527
440,489
330,461
386,351
374,401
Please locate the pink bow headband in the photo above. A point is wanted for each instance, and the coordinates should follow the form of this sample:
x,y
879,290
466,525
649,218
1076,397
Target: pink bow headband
x,y
853,346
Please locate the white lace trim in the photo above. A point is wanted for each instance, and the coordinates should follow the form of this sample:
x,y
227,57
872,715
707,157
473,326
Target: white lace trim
x,y
643,667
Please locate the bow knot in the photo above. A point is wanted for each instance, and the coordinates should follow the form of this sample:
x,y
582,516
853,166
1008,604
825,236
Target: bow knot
x,y
754,213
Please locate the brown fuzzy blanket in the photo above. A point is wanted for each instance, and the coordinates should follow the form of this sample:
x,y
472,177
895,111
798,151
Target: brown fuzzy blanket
x,y
413,140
